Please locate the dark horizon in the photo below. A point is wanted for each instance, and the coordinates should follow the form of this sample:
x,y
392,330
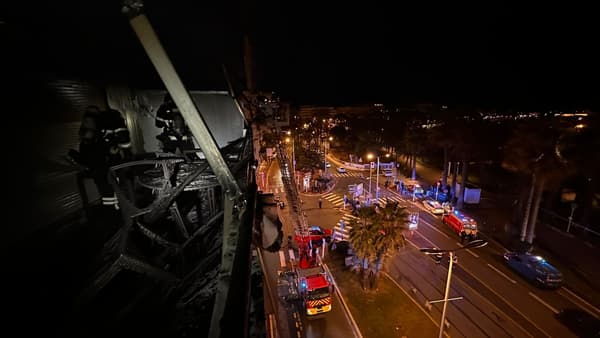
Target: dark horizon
x,y
494,56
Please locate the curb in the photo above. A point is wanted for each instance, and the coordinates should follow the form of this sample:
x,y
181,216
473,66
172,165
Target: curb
x,y
347,312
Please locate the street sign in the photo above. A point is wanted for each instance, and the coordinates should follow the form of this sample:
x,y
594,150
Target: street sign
x,y
413,219
372,165
359,190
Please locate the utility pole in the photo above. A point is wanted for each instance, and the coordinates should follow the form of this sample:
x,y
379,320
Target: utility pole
x,y
377,183
573,207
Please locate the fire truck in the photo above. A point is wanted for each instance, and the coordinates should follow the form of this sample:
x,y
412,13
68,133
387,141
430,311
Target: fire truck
x,y
462,224
306,279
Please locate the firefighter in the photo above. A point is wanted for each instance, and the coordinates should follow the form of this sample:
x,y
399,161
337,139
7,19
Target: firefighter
x,y
176,136
104,142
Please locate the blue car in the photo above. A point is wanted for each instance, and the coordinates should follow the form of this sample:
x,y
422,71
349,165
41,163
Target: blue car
x,y
535,269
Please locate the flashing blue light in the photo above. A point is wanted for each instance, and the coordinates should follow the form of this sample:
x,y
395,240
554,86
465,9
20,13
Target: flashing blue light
x,y
303,284
456,212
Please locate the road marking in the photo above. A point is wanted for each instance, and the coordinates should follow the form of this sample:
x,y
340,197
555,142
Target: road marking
x,y
434,228
414,300
581,300
472,253
469,250
502,273
347,312
507,303
427,239
543,303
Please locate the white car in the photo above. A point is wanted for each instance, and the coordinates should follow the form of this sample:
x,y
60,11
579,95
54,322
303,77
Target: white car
x,y
341,170
327,164
434,206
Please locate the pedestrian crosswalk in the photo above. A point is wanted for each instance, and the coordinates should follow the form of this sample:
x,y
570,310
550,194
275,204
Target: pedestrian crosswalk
x,y
338,200
350,174
341,231
335,199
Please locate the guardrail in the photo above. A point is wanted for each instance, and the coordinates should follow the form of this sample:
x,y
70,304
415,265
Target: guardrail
x,y
551,218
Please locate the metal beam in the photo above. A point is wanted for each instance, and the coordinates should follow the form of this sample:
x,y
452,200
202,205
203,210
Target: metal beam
x,y
159,58
235,205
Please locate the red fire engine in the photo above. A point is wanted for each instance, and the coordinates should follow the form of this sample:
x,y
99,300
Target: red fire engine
x,y
462,224
307,280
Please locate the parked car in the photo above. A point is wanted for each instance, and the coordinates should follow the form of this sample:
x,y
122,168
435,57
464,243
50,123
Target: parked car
x,y
341,170
448,208
434,206
535,269
317,233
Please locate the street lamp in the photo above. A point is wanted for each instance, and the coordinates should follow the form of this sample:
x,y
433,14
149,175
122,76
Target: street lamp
x,y
478,243
370,157
573,207
377,183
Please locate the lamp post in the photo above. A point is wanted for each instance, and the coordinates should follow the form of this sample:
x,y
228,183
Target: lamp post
x,y
377,183
573,207
370,157
478,243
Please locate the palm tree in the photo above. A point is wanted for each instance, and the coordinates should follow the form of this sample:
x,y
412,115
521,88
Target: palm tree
x,y
474,143
361,238
412,143
390,223
532,151
439,138
580,148
376,234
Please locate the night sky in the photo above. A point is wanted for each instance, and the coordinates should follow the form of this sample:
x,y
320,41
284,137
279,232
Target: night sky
x,y
484,53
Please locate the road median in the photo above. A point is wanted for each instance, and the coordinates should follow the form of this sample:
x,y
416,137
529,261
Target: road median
x,y
387,312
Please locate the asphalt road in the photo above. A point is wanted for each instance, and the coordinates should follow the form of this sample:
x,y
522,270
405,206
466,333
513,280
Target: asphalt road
x,y
496,302
291,321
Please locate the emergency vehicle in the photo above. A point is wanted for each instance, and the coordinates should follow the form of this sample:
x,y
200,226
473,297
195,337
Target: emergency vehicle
x,y
462,224
307,279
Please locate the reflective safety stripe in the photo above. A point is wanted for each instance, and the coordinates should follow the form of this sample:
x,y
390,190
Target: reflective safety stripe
x,y
184,138
125,145
111,201
172,138
120,129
